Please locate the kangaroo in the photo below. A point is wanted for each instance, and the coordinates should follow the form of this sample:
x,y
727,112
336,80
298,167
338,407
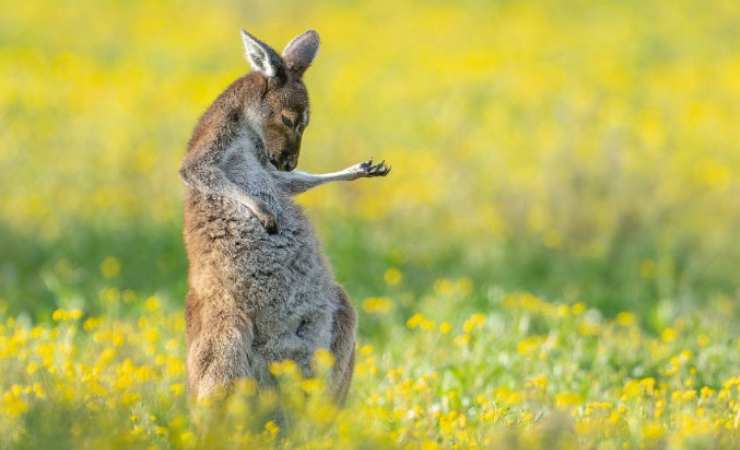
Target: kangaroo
x,y
259,288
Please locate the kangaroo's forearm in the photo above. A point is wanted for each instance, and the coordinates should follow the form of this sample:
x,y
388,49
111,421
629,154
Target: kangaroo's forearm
x,y
297,182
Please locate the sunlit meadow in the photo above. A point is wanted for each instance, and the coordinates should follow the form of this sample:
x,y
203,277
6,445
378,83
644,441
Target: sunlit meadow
x,y
553,262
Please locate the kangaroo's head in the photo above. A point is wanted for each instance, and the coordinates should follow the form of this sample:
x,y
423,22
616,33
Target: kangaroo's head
x,y
281,110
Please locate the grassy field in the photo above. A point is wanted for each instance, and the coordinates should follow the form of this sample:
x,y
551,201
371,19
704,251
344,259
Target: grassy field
x,y
553,262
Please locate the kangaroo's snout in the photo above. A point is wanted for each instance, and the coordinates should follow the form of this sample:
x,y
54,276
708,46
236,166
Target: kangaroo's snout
x,y
290,165
285,163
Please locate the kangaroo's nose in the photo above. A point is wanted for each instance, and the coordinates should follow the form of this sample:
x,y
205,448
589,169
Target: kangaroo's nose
x,y
291,162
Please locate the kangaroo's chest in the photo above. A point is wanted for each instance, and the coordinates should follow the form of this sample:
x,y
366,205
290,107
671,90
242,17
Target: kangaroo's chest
x,y
249,173
287,267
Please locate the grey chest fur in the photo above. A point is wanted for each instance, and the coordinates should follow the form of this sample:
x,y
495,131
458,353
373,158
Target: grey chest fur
x,y
281,280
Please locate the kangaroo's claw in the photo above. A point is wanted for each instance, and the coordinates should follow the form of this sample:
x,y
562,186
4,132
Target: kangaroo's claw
x,y
379,170
266,218
366,165
374,170
270,225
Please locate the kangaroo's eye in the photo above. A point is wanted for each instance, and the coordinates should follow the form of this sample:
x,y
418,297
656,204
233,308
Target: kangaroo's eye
x,y
287,122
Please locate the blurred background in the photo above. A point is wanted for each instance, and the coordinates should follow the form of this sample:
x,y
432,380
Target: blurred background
x,y
584,151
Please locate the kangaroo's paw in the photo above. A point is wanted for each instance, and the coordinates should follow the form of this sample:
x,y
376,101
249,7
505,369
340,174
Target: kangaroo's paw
x,y
368,169
266,218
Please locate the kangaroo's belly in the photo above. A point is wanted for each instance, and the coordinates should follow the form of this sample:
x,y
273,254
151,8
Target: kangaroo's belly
x,y
280,280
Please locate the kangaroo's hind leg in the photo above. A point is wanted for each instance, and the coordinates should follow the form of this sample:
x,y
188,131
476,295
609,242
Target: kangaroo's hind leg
x,y
219,350
343,346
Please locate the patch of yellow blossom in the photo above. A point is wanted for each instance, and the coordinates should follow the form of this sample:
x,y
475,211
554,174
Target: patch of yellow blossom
x,y
393,276
377,305
126,378
110,267
418,320
61,315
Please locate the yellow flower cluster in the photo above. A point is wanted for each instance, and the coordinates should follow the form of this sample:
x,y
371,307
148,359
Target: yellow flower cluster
x,y
112,383
377,305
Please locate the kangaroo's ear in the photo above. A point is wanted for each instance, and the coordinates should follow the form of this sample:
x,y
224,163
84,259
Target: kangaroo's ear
x,y
262,57
299,52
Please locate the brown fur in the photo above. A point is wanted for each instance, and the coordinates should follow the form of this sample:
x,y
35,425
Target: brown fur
x,y
260,289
